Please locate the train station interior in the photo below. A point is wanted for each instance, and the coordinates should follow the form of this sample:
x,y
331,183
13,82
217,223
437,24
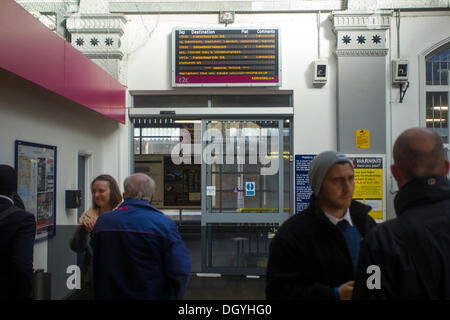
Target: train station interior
x,y
222,103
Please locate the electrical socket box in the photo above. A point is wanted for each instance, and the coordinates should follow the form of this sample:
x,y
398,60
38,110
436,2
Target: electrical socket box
x,y
320,72
73,199
400,71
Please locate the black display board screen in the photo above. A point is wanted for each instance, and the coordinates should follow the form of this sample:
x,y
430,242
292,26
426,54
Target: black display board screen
x,y
225,57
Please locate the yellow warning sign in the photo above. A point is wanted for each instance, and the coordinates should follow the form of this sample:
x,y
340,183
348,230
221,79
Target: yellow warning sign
x,y
362,139
369,183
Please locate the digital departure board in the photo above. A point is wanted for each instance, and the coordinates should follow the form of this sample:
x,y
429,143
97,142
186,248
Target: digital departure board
x,y
225,57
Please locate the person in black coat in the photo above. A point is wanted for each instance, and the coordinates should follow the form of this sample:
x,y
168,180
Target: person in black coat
x,y
409,257
17,234
314,253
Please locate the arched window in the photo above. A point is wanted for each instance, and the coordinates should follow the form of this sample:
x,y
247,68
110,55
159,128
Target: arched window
x,y
437,91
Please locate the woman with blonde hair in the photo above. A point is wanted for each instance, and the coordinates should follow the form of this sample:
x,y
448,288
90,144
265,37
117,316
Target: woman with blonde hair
x,y
106,197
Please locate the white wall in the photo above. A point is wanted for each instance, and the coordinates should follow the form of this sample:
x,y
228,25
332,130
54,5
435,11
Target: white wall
x,y
30,113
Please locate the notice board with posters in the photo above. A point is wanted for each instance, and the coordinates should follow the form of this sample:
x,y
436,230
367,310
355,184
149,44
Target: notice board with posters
x,y
225,57
36,184
370,182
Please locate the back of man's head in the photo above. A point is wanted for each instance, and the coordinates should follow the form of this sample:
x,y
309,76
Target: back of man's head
x,y
139,187
8,180
419,152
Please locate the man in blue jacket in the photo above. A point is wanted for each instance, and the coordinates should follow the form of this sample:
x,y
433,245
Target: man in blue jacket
x,y
138,252
17,234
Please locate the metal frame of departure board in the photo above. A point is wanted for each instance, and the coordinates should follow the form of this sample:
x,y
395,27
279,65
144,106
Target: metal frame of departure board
x,y
220,58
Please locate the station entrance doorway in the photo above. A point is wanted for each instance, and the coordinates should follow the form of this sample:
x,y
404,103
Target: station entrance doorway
x,y
225,179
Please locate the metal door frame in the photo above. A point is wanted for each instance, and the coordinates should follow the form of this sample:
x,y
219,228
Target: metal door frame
x,y
276,218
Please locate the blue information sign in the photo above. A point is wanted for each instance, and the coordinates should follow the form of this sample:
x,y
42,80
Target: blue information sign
x,y
302,189
250,189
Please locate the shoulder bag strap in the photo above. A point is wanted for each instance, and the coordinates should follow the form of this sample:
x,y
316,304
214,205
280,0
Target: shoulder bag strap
x,y
7,212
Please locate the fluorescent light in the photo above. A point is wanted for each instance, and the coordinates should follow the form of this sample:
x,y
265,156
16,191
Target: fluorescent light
x,y
441,108
188,121
436,120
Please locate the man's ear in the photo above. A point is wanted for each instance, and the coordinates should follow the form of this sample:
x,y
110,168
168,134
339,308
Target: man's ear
x,y
446,166
396,173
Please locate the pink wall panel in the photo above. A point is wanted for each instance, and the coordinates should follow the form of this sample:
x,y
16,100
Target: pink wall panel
x,y
29,49
35,53
83,84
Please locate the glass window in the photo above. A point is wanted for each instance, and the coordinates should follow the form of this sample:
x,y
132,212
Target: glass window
x,y
137,146
155,140
230,178
437,91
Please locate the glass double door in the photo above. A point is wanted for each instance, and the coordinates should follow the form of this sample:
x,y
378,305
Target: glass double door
x,y
246,182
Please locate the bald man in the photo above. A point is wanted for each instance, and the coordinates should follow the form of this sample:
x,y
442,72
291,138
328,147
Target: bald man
x,y
409,257
138,252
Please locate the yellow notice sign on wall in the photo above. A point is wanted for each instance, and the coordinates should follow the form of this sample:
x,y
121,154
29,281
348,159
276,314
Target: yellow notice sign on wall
x,y
369,183
363,139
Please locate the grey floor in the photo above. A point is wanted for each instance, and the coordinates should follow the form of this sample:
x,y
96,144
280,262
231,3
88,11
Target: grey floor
x,y
225,288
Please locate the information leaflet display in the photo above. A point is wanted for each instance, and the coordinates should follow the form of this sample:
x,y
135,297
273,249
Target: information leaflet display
x,y
225,57
36,184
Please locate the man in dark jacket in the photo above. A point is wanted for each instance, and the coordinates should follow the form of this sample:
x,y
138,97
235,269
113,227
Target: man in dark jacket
x,y
138,252
17,233
411,254
314,253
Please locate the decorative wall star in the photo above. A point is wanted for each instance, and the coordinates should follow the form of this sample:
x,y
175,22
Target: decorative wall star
x,y
346,39
376,39
109,41
79,42
94,42
361,39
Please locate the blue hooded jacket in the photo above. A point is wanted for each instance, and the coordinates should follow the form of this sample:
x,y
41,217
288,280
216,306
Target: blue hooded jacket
x,y
138,254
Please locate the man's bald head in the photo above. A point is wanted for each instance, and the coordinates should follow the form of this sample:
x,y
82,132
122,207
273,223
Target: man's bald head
x,y
419,152
139,186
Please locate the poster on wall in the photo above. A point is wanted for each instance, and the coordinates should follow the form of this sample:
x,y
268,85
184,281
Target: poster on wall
x,y
36,184
302,189
370,183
